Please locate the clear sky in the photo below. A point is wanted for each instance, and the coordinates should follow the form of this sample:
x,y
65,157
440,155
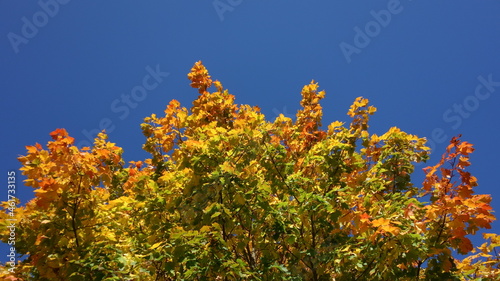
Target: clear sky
x,y
431,68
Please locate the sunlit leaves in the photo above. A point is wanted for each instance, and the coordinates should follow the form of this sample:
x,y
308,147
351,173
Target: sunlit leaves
x,y
455,211
228,195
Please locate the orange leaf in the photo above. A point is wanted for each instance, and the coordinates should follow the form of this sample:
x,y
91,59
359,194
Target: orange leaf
x,y
58,133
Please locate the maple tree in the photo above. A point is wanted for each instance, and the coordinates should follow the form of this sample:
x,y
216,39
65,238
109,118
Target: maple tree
x,y
227,195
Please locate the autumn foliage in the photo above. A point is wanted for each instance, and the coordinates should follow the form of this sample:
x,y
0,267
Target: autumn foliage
x,y
227,195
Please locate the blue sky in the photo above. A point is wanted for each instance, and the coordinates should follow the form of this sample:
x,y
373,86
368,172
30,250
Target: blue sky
x,y
431,68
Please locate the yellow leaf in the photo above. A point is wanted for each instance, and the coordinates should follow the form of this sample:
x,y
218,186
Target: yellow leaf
x,y
381,222
205,228
155,245
239,199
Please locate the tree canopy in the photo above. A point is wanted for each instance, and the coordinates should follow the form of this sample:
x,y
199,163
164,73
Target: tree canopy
x,y
228,195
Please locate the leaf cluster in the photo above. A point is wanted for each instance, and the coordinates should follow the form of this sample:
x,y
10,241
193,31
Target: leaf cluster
x,y
228,195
